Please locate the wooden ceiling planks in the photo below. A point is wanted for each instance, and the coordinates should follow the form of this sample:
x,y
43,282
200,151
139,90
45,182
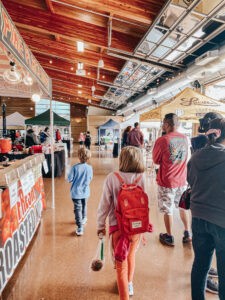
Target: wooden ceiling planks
x,y
51,28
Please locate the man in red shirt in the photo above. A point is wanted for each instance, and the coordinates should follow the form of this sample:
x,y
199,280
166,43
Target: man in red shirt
x,y
135,137
170,153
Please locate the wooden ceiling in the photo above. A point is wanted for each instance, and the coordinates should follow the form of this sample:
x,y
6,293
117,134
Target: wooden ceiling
x,y
51,29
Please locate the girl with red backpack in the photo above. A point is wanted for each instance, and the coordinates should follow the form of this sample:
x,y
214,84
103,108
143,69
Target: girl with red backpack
x,y
126,204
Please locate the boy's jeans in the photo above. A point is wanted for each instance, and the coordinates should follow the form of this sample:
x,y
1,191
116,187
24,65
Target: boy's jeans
x,y
80,210
207,237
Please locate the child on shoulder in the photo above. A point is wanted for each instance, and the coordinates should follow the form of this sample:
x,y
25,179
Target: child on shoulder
x,y
80,176
131,166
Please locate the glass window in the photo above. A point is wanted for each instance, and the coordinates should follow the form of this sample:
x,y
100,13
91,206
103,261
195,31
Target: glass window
x,y
160,52
145,47
190,22
174,55
189,43
60,108
206,6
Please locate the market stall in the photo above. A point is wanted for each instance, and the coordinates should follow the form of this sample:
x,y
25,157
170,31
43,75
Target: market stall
x,y
22,192
43,120
109,134
189,105
15,121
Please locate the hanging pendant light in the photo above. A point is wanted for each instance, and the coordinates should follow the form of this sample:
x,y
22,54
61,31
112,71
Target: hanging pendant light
x,y
12,75
36,98
101,63
93,88
28,80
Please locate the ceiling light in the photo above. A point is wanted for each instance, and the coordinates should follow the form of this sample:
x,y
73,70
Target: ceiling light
x,y
80,66
89,73
93,88
36,98
101,63
12,76
89,100
103,76
80,46
28,80
79,85
71,68
79,92
50,61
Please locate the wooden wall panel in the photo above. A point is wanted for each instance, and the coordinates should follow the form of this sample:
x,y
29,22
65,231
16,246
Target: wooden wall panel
x,y
78,120
24,106
95,121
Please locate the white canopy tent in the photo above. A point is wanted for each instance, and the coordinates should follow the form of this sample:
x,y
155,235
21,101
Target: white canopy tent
x,y
15,121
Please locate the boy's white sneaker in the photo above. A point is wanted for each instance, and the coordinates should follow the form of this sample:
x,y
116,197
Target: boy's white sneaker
x,y
79,231
84,221
131,289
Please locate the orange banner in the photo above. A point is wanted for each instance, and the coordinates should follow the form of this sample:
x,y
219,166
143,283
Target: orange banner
x,y
20,217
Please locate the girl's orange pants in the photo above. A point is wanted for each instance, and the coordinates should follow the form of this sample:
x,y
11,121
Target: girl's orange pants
x,y
125,269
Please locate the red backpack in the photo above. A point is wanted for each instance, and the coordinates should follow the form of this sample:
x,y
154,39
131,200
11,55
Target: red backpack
x,y
132,210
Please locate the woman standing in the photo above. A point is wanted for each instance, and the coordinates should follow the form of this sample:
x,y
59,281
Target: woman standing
x,y
125,135
206,173
81,140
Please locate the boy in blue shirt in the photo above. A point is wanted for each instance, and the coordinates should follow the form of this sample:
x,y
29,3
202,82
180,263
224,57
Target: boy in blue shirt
x,y
80,175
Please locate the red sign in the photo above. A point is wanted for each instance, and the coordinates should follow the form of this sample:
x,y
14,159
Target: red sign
x,y
20,217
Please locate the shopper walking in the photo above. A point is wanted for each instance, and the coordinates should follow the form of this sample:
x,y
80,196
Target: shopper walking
x,y
131,165
170,153
125,135
198,143
135,137
87,141
80,176
81,140
206,172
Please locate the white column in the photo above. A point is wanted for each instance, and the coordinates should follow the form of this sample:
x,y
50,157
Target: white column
x,y
52,154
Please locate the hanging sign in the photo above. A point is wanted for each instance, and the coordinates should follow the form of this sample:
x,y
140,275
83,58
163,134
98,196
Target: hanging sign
x,y
13,41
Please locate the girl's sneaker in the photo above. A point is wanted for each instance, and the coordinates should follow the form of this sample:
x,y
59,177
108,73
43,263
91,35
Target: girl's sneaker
x,y
131,289
84,221
79,231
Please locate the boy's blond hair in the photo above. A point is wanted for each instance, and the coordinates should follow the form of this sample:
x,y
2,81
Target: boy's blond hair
x,y
131,160
84,155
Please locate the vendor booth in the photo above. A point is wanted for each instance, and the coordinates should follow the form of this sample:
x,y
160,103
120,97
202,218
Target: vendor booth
x,y
189,105
15,121
43,120
21,185
109,131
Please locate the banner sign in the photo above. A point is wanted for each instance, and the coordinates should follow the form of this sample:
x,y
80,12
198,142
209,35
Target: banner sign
x,y
21,215
13,41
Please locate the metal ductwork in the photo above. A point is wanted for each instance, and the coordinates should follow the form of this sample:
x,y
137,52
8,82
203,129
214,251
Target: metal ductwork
x,y
194,72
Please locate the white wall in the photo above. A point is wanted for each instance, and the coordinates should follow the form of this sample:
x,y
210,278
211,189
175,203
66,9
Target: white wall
x,y
95,111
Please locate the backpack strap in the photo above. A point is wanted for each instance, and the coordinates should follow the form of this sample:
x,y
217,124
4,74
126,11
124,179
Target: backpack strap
x,y
137,180
120,178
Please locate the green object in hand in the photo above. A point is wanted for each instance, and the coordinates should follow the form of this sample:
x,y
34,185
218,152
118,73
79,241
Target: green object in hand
x,y
102,250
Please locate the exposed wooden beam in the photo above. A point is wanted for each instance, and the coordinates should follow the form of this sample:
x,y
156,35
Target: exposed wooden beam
x,y
50,6
62,26
69,68
53,48
138,11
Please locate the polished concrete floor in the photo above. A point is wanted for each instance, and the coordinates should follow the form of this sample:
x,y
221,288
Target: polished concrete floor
x,y
56,266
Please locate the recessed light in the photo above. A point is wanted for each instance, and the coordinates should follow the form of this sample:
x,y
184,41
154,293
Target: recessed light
x,y
80,46
80,66
71,68
89,73
103,76
79,92
79,85
50,61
